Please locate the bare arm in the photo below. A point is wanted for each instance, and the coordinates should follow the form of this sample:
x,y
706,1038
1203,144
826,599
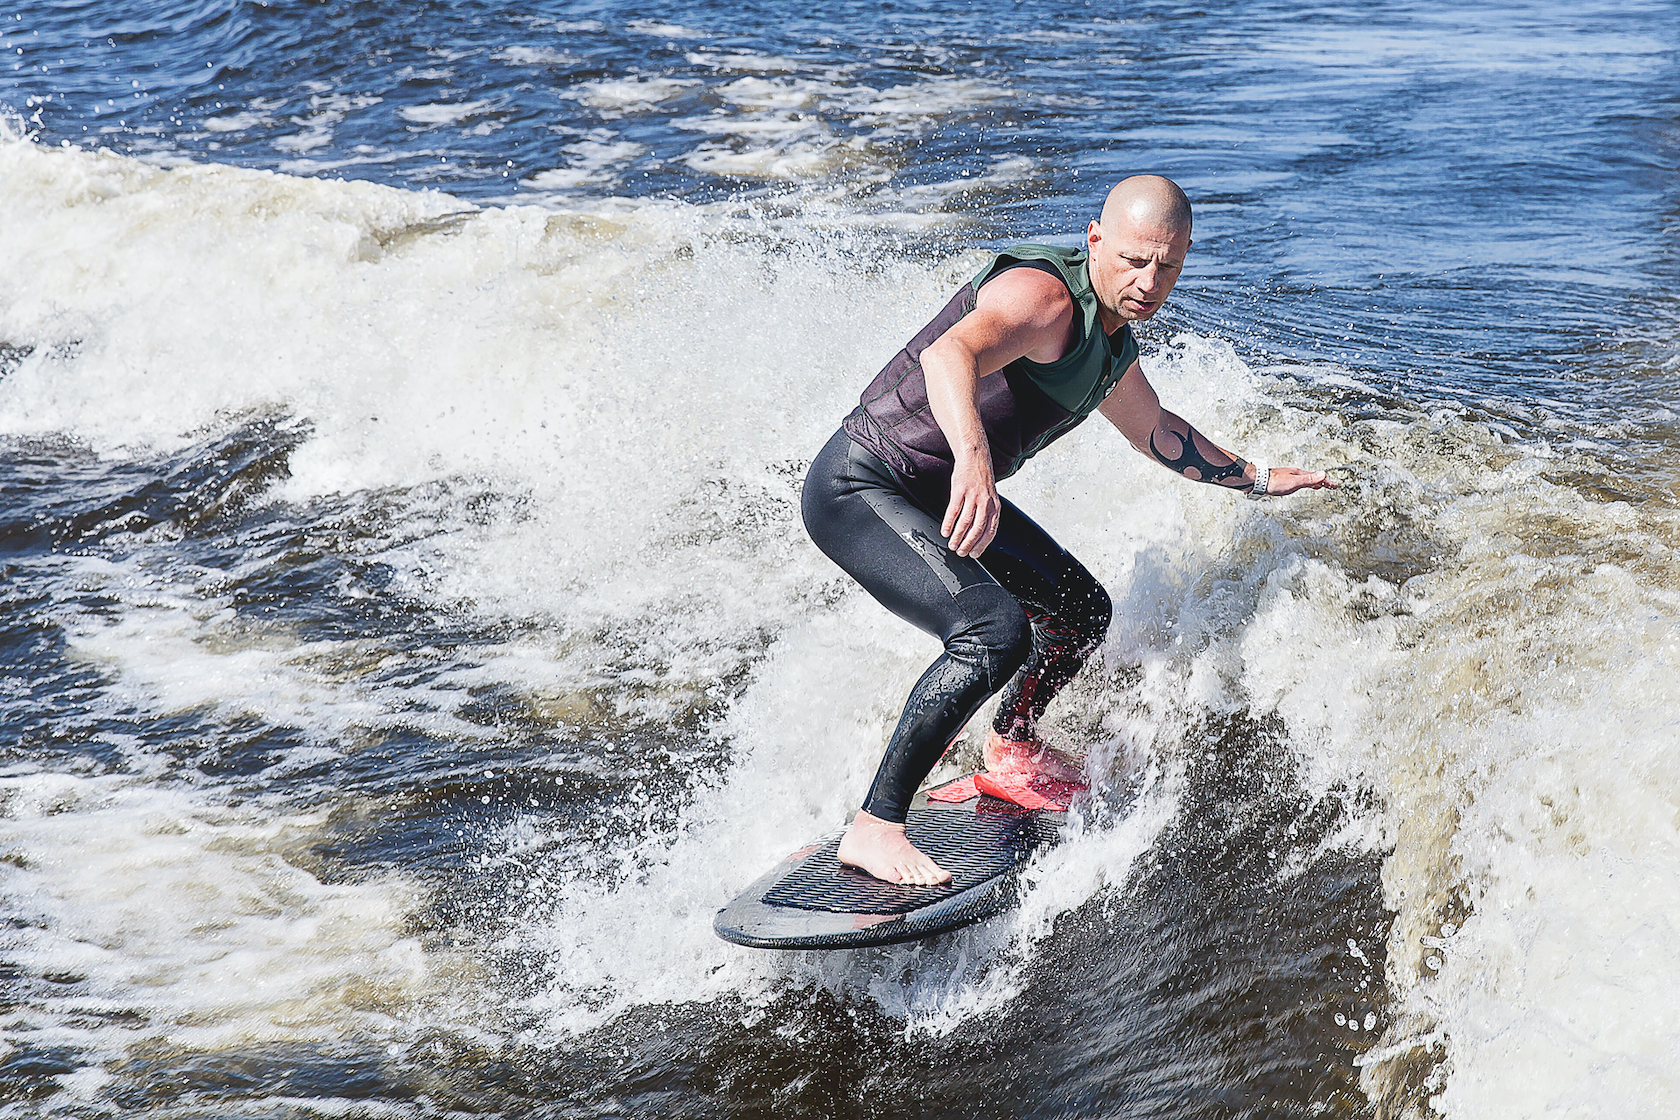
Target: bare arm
x,y
1171,441
1022,313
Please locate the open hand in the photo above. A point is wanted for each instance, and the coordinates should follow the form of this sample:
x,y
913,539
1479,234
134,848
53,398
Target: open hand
x,y
1287,480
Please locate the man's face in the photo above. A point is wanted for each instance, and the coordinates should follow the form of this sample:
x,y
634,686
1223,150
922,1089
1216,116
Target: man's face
x,y
1134,266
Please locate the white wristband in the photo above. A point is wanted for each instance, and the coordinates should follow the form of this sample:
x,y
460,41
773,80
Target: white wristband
x,y
1262,482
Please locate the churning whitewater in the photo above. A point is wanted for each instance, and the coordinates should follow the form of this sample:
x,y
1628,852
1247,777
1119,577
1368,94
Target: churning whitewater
x,y
411,640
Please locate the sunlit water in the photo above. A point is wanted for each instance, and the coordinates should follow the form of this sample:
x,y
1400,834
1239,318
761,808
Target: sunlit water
x,y
409,638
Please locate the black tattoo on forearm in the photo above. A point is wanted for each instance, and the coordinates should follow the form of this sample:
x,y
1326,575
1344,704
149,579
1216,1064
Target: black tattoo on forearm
x,y
1189,459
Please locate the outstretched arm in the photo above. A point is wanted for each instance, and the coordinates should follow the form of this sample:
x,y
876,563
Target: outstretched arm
x,y
1170,440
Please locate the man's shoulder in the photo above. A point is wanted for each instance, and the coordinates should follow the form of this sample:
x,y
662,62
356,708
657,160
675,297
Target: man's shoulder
x,y
1027,282
1029,296
1066,266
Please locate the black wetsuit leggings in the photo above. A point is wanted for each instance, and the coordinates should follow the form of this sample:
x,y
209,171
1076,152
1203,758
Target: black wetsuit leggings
x,y
1024,614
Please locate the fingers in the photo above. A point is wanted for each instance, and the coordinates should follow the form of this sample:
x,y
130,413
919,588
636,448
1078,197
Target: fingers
x,y
980,535
974,525
962,526
1287,480
1317,480
1321,480
971,516
983,529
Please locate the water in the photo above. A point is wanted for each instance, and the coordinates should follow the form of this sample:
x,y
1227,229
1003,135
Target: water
x,y
410,640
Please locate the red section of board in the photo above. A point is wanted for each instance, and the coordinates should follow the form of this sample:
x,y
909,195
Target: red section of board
x,y
1029,791
960,790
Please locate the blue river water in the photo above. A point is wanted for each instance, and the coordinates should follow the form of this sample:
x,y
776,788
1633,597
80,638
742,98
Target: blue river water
x,y
410,640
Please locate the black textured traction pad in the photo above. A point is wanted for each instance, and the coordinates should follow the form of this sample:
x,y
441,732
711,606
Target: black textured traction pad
x,y
808,901
974,842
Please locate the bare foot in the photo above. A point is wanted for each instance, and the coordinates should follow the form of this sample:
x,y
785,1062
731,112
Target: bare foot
x,y
883,850
1032,757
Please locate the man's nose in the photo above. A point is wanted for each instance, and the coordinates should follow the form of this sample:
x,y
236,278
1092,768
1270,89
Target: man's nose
x,y
1150,279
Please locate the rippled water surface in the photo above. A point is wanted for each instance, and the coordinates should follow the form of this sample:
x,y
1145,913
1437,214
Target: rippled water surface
x,y
410,641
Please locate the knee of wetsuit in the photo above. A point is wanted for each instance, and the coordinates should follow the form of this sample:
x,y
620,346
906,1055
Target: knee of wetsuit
x,y
1098,613
812,498
996,633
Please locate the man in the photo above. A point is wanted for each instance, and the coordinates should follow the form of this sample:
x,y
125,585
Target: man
x,y
904,496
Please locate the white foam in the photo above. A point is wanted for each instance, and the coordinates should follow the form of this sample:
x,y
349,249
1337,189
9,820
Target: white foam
x,y
664,30
236,122
190,916
743,61
1514,707
326,111
593,160
931,100
1008,171
804,160
534,334
175,647
808,127
630,95
535,56
441,113
760,94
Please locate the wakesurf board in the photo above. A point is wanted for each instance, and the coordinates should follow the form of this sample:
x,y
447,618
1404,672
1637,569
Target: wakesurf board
x,y
809,901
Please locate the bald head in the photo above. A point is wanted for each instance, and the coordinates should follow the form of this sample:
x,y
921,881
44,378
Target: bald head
x,y
1147,201
1137,248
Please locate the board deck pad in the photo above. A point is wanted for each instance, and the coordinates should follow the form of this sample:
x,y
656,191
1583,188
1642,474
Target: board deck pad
x,y
809,901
